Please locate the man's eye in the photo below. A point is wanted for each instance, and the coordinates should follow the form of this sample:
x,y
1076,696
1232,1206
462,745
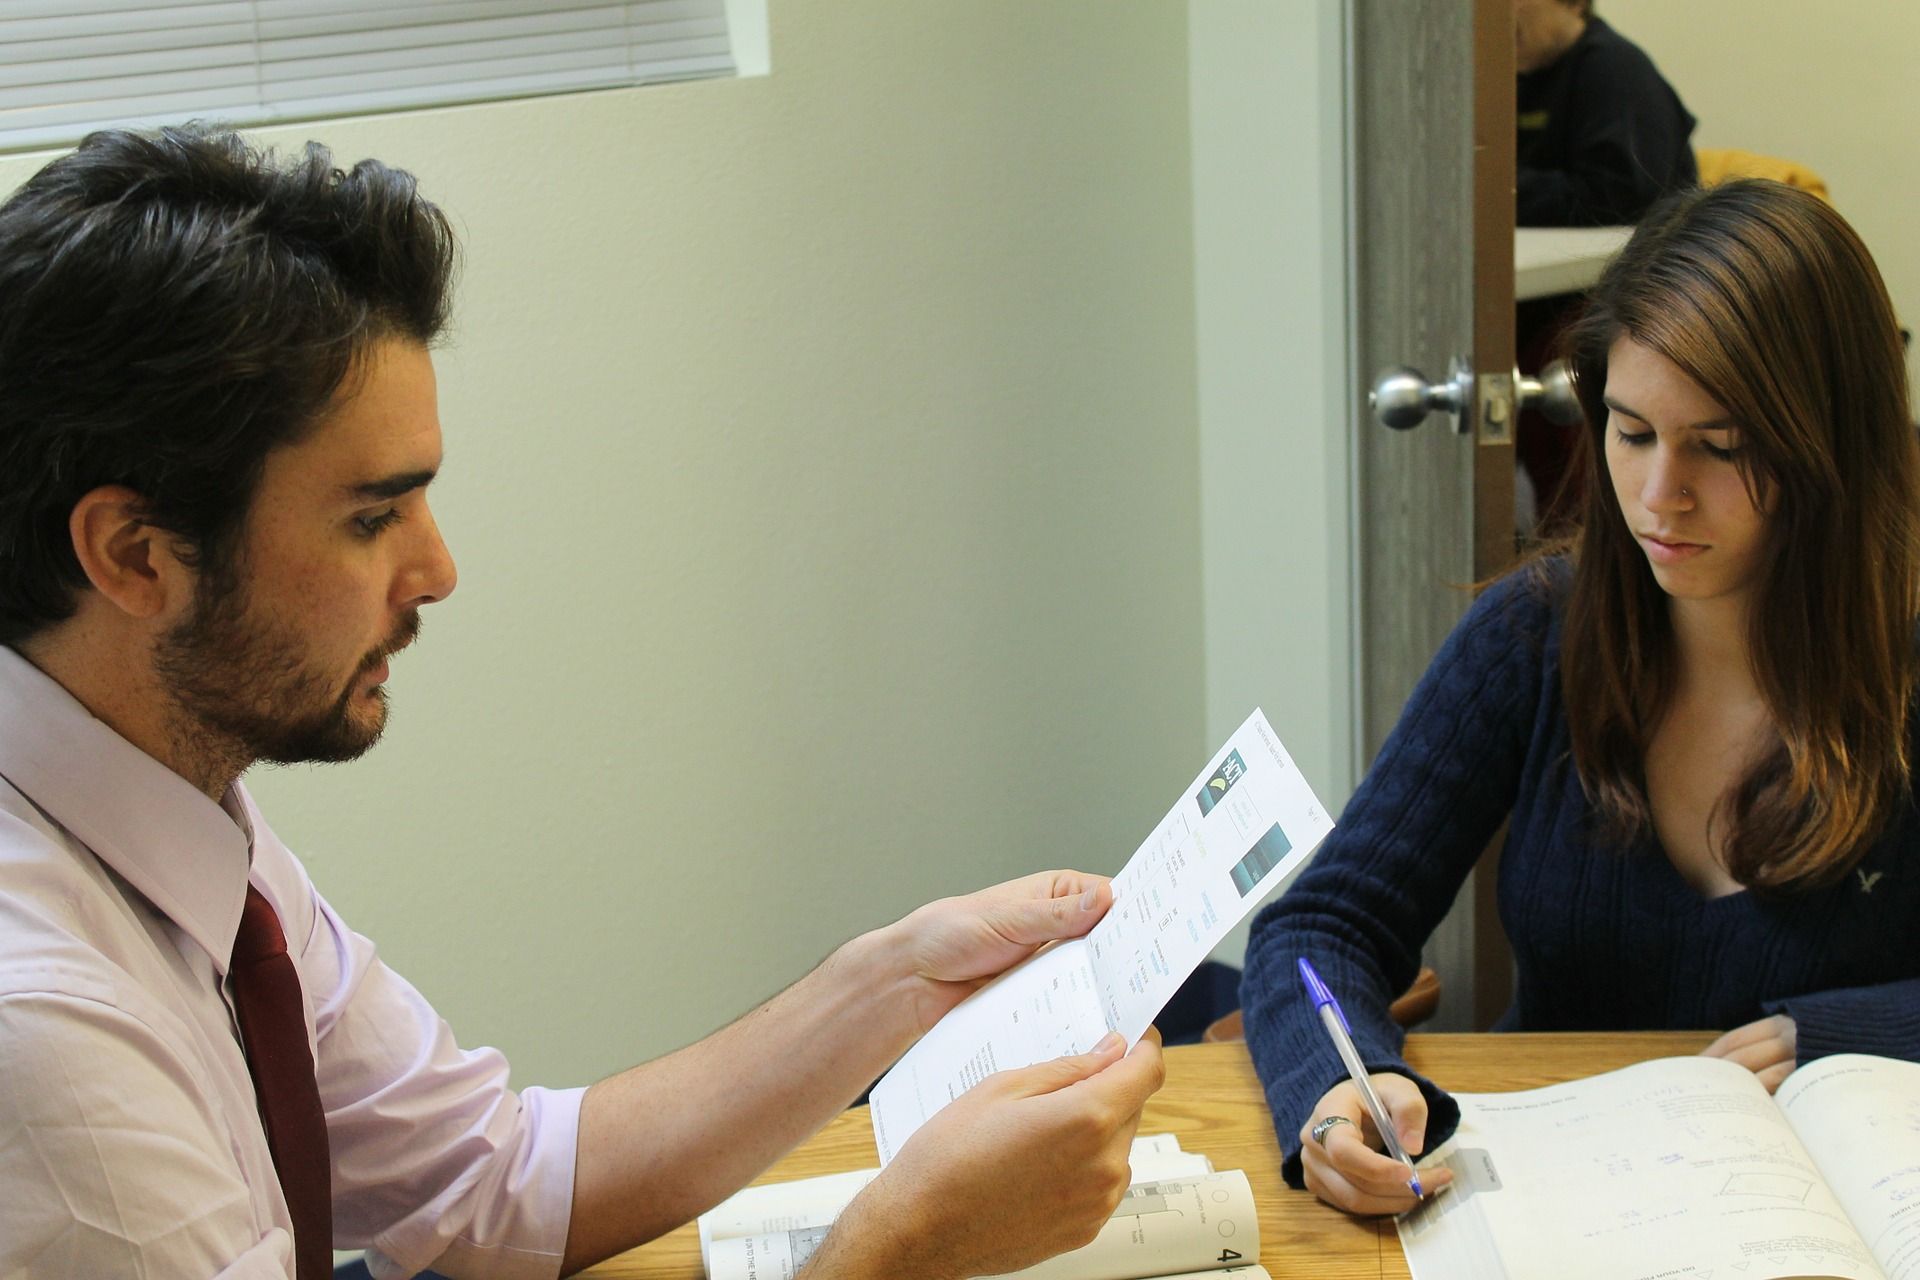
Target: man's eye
x,y
372,526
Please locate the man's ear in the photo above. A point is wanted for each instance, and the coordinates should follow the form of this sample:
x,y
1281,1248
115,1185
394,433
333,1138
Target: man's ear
x,y
130,562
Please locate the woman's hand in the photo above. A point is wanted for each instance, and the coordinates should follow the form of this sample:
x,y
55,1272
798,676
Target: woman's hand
x,y
1347,1169
1766,1048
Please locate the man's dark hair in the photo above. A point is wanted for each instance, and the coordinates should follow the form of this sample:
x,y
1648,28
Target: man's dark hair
x,y
174,306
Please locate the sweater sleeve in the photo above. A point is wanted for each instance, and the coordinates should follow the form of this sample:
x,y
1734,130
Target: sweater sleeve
x,y
1628,146
1883,1020
1362,909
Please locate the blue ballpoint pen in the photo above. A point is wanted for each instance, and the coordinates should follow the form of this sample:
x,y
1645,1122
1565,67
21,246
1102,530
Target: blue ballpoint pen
x,y
1336,1025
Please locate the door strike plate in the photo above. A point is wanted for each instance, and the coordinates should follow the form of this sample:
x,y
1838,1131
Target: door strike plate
x,y
1494,422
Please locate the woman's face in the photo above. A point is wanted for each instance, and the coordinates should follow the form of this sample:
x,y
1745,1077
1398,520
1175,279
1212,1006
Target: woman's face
x,y
1672,454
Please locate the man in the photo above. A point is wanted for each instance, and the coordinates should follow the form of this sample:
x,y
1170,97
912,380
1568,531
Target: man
x,y
217,431
1601,134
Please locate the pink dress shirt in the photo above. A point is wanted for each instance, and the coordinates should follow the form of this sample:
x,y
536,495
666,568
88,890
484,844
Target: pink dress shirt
x,y
129,1140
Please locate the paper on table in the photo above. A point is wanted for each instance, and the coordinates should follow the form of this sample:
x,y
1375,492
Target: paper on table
x,y
1859,1118
1183,1225
1247,820
1676,1167
776,1208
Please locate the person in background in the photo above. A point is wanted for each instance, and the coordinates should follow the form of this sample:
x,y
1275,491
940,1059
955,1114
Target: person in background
x,y
1602,135
218,424
1696,714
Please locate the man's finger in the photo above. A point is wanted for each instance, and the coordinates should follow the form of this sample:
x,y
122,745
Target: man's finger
x,y
1032,921
1130,1082
1059,1073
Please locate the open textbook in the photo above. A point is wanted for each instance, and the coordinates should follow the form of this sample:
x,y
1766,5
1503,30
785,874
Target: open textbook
x,y
1180,1220
1246,821
1682,1167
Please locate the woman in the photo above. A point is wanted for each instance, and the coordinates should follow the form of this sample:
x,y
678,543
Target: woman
x,y
1697,717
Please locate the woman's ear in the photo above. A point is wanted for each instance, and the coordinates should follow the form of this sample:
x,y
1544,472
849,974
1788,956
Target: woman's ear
x,y
132,563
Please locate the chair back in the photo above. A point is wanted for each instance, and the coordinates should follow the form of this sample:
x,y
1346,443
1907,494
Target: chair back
x,y
1723,164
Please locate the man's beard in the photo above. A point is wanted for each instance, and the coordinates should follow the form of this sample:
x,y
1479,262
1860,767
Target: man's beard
x,y
242,686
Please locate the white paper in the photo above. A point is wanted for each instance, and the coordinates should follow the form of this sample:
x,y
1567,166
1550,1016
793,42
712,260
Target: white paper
x,y
789,1215
1860,1120
1246,821
775,1208
1166,1228
1161,1228
1681,1167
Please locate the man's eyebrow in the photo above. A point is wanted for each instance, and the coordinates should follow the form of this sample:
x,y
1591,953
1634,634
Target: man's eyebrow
x,y
1711,424
391,486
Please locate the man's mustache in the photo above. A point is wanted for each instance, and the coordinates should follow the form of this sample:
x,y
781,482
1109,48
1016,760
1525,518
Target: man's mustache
x,y
403,635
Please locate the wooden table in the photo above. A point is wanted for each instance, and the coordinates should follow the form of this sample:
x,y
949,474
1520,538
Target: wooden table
x,y
1213,1101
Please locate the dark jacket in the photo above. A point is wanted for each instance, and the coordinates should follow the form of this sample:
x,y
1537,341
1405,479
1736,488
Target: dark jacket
x,y
1602,135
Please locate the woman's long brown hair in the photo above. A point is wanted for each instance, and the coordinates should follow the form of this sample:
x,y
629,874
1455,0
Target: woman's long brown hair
x,y
1767,299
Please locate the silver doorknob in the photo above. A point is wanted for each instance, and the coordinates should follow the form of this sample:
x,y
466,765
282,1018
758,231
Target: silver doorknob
x,y
1402,397
1551,393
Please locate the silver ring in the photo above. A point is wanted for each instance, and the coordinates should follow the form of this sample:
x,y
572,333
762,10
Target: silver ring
x,y
1320,1131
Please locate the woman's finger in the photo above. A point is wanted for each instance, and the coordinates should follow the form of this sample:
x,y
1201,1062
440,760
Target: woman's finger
x,y
1331,1186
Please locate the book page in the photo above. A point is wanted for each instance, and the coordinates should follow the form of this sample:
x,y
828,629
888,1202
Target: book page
x,y
1678,1167
1247,820
1159,1229
1166,1228
802,1204
1859,1118
775,1208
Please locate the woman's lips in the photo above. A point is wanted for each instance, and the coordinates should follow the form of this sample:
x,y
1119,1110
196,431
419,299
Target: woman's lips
x,y
1662,551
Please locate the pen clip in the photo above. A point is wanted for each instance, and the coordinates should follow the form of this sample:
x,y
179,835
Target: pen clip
x,y
1322,996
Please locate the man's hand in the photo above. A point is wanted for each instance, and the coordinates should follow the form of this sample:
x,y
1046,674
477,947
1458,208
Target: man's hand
x,y
1348,1170
1024,1165
1766,1048
665,1141
953,946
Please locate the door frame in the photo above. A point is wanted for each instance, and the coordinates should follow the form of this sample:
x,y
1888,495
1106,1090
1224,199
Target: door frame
x,y
1429,124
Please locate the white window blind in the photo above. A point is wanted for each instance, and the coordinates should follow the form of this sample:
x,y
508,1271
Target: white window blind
x,y
68,66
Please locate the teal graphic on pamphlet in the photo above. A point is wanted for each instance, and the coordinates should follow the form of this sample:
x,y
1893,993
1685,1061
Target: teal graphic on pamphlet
x,y
1267,853
1230,771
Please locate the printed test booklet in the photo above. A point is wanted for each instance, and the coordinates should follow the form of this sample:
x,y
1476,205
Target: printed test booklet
x,y
1682,1169
1180,1220
1246,821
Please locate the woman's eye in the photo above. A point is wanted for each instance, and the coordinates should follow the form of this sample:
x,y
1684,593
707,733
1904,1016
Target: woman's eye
x,y
1725,453
1632,437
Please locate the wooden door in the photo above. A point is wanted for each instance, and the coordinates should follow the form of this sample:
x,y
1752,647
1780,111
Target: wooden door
x,y
1430,111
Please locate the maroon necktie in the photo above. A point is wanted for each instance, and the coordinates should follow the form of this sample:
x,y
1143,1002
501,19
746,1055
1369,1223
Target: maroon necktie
x,y
273,1031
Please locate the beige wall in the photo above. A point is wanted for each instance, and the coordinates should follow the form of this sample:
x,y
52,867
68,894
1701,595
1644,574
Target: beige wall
x,y
824,469
1270,318
1830,86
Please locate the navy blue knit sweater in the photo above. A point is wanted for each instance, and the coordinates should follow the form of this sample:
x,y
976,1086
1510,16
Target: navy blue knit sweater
x,y
1605,938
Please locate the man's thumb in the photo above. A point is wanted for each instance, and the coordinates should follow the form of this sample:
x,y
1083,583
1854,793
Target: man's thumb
x,y
1032,921
1051,1076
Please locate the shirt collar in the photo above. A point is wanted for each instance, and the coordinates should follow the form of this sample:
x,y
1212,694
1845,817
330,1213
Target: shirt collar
x,y
185,854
